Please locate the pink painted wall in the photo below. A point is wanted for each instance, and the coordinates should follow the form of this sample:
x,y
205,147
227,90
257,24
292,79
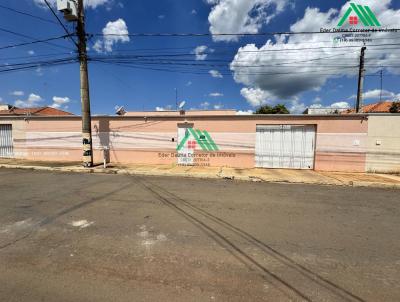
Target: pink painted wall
x,y
340,140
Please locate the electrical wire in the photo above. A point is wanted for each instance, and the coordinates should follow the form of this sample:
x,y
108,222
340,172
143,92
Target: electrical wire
x,y
393,30
34,65
224,47
27,14
49,55
62,24
194,71
35,42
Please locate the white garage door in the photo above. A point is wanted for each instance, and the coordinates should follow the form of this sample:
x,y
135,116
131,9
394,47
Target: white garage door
x,y
285,146
6,141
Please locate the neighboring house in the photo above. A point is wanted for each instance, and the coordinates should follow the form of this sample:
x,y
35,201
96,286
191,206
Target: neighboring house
x,y
325,110
9,110
380,107
337,142
223,112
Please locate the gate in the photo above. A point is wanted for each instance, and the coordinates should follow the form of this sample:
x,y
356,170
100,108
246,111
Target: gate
x,y
6,141
285,146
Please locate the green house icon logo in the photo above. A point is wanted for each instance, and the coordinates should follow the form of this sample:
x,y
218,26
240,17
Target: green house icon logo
x,y
196,137
362,13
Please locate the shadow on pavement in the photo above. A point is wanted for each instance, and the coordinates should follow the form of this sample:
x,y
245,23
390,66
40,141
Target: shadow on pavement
x,y
317,279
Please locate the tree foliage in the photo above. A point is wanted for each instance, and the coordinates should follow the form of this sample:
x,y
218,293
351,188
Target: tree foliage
x,y
395,108
278,109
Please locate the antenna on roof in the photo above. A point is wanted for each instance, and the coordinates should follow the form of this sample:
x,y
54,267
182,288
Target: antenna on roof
x,y
120,110
182,104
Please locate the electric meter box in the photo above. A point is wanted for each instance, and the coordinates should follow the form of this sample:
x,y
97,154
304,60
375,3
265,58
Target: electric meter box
x,y
69,8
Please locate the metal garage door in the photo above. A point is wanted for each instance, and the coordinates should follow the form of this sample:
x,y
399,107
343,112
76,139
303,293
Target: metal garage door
x,y
6,141
285,146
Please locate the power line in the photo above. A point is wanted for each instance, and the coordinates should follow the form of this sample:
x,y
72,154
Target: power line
x,y
394,30
34,42
194,71
62,24
27,14
225,47
37,56
227,61
37,62
331,48
31,38
33,65
187,63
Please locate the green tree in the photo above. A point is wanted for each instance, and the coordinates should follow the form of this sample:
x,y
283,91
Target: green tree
x,y
395,108
278,109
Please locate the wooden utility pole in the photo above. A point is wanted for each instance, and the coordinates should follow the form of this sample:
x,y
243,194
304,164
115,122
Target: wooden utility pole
x,y
361,71
85,96
380,94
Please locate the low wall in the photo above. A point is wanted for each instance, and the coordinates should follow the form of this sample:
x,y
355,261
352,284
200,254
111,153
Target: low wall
x,y
383,144
341,141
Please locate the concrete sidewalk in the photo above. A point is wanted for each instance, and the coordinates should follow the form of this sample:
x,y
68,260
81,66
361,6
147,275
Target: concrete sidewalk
x,y
255,174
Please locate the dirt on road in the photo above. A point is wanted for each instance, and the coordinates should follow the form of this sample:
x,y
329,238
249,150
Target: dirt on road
x,y
81,237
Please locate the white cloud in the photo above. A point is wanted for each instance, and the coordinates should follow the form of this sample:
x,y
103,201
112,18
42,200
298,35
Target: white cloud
x,y
218,106
113,32
340,105
216,94
316,106
98,46
166,108
204,105
244,112
317,100
60,102
17,93
297,107
31,52
39,71
88,3
281,70
215,74
199,52
161,17
193,12
257,97
32,101
189,83
376,94
241,16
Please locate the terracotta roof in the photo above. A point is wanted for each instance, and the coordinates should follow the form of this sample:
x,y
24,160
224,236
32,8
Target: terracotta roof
x,y
39,111
380,107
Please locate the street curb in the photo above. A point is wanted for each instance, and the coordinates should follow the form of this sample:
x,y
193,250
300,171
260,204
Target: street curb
x,y
154,172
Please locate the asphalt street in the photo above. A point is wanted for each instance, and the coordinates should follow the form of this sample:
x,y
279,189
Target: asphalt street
x,y
86,237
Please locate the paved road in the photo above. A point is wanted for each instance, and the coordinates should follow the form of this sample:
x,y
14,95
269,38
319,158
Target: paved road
x,y
79,237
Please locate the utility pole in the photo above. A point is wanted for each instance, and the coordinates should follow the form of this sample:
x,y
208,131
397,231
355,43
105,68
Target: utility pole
x,y
176,99
380,95
360,81
85,96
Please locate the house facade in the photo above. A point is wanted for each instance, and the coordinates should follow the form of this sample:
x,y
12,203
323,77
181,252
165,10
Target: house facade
x,y
355,143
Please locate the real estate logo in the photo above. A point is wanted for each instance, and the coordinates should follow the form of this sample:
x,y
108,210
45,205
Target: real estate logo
x,y
363,14
196,137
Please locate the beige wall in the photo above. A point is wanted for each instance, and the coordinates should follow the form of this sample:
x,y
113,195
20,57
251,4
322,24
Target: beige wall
x,y
383,153
18,134
341,141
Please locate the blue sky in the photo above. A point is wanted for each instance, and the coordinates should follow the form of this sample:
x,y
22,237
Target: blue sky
x,y
243,88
